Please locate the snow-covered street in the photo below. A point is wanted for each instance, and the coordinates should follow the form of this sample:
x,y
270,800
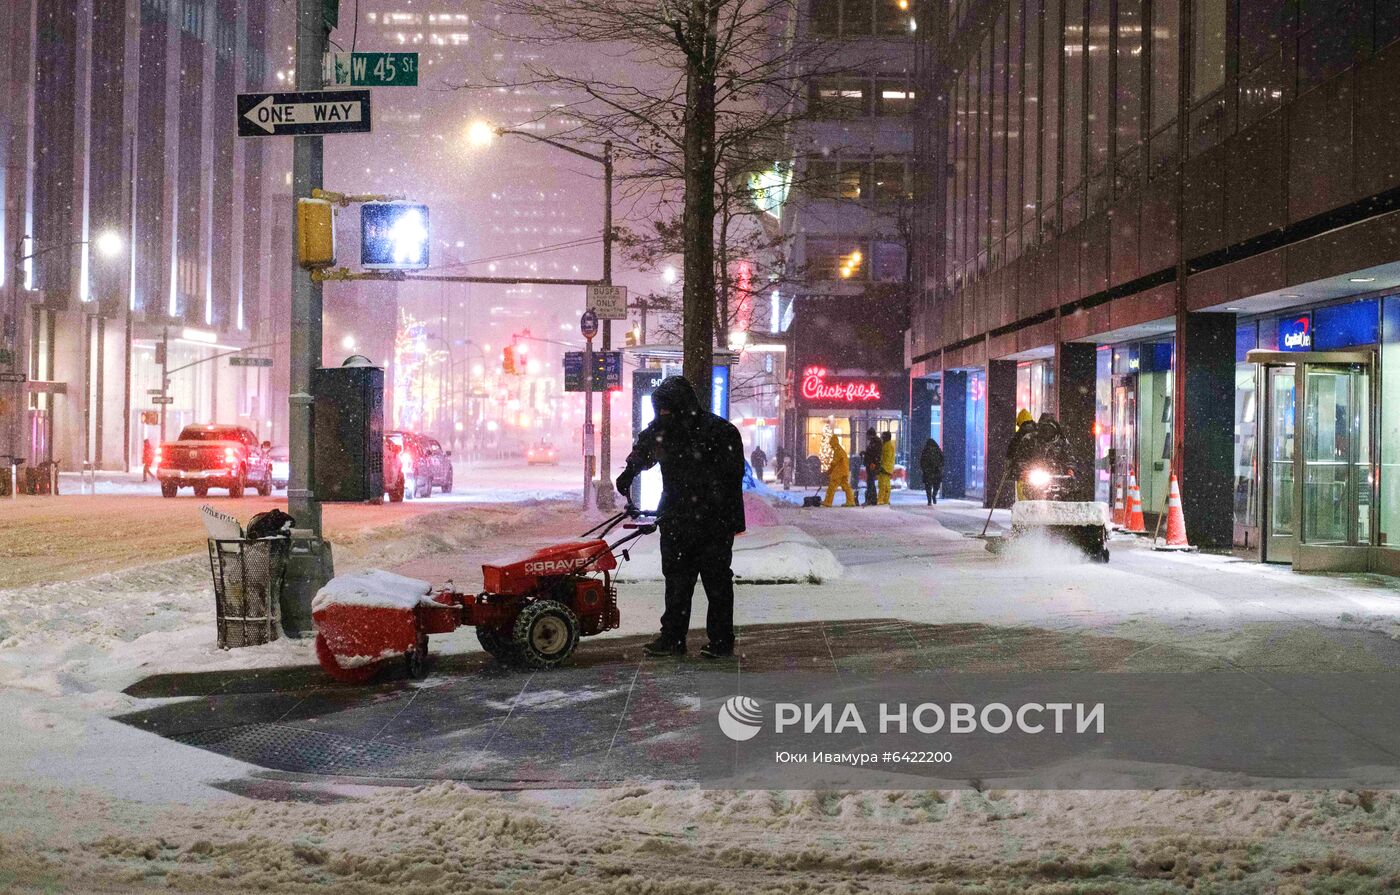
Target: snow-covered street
x,y
93,804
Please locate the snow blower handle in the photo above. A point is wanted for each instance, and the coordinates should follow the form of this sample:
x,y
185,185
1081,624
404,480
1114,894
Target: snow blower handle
x,y
644,528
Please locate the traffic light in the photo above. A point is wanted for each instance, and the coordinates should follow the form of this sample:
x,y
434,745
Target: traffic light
x,y
394,235
315,233
633,337
508,360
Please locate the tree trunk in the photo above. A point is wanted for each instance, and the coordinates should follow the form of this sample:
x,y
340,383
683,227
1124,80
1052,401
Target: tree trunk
x,y
698,295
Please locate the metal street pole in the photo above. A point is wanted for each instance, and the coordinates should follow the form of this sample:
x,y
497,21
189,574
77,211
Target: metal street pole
x,y
588,422
164,376
607,497
309,565
18,395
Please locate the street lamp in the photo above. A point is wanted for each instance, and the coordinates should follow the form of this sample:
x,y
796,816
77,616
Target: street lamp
x,y
479,134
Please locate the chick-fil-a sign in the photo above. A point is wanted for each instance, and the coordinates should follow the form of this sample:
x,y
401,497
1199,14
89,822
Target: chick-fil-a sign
x,y
818,387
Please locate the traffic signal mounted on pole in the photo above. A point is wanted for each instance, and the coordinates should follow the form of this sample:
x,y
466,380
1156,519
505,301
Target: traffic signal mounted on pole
x,y
633,337
315,233
508,360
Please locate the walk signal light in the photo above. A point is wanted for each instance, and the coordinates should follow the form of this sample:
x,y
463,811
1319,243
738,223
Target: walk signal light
x,y
315,233
508,360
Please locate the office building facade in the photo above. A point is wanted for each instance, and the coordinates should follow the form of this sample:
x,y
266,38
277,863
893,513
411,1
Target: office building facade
x,y
137,227
1172,223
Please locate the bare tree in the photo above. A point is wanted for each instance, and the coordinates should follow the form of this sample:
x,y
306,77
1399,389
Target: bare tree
x,y
685,92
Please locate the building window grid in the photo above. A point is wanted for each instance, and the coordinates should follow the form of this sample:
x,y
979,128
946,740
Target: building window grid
x,y
860,18
858,177
1123,60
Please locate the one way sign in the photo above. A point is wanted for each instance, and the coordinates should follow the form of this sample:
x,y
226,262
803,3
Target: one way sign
x,y
303,114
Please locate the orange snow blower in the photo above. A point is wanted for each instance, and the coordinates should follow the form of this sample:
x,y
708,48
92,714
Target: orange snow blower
x,y
531,612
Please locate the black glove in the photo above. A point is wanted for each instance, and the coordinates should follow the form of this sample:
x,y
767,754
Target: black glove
x,y
624,483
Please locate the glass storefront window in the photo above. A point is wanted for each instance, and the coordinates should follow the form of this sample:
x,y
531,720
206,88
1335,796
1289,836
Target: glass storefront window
x,y
975,420
818,432
1246,429
1103,421
1390,423
1154,423
1034,386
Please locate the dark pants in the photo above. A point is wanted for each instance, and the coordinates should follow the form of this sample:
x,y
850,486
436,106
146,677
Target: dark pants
x,y
872,481
931,486
685,555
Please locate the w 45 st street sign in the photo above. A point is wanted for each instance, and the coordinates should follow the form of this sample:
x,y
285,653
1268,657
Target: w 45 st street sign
x,y
307,113
371,70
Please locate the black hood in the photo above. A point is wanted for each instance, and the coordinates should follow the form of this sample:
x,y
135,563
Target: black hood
x,y
676,395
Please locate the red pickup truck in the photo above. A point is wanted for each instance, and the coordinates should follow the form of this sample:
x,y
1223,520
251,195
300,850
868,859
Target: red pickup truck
x,y
211,456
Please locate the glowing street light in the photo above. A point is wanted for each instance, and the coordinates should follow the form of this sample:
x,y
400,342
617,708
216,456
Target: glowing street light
x,y
480,134
108,244
348,343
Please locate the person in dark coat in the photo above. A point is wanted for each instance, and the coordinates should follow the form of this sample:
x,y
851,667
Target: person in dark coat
x,y
931,465
148,456
701,510
871,458
758,460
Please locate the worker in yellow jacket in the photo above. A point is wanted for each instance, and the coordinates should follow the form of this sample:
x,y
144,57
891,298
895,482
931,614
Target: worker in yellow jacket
x,y
838,475
886,465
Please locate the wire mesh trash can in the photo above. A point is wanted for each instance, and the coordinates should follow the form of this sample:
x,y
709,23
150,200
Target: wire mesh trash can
x,y
248,579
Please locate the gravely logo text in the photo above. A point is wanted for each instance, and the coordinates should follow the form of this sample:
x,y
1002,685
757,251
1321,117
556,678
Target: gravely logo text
x,y
553,566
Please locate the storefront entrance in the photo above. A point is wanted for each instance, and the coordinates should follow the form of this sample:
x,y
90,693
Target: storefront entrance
x,y
1317,481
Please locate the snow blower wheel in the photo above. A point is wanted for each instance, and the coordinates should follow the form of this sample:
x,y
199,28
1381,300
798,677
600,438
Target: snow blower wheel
x,y
347,674
501,648
546,632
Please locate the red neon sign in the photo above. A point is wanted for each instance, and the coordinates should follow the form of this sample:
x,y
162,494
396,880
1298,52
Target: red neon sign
x,y
816,387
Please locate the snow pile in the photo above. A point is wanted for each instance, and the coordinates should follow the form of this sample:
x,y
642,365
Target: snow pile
x,y
1027,513
758,513
771,555
372,587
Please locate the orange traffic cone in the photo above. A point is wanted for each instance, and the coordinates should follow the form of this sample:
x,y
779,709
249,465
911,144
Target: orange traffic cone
x,y
1118,504
1135,523
1176,522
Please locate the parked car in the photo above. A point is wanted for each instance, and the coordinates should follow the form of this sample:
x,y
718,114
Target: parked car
x,y
213,456
424,463
542,453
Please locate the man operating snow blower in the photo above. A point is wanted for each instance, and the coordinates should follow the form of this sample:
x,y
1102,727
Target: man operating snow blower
x,y
701,510
1053,493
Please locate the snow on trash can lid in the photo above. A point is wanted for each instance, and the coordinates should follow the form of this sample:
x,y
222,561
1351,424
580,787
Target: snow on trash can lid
x,y
372,587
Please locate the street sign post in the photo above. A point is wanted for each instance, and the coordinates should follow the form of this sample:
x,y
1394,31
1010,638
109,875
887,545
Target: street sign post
x,y
303,113
608,302
163,399
12,377
607,371
244,361
371,70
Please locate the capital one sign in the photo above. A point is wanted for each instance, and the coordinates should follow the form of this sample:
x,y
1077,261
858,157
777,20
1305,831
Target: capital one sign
x,y
819,388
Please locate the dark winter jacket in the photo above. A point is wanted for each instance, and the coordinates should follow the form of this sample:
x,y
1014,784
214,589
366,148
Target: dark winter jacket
x,y
702,462
1021,451
1052,448
871,456
931,460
